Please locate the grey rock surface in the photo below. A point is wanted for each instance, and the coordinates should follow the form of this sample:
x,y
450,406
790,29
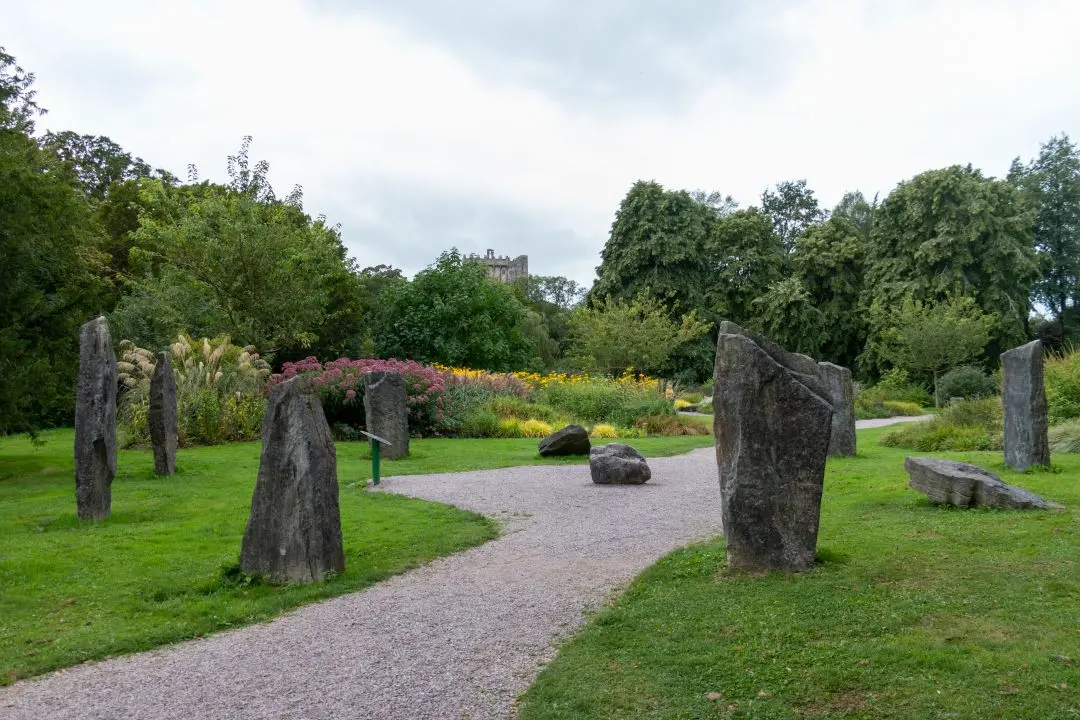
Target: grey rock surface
x,y
967,486
618,464
570,440
161,416
294,531
1024,399
386,412
95,421
460,637
772,423
837,380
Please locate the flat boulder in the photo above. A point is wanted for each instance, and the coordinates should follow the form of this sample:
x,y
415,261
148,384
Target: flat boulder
x,y
294,530
967,486
618,464
571,440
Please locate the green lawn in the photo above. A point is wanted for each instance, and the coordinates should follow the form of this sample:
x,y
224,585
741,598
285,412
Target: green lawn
x,y
163,567
916,611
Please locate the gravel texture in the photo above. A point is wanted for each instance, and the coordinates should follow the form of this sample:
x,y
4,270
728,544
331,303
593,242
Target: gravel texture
x,y
459,638
882,422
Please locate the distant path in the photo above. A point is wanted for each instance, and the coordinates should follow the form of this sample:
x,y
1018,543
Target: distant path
x,y
882,422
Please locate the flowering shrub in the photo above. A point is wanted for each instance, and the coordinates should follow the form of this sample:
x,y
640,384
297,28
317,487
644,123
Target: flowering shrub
x,y
496,383
341,385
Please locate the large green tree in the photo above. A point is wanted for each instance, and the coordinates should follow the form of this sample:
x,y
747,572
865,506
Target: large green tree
x,y
1051,185
49,269
454,313
793,209
94,161
954,232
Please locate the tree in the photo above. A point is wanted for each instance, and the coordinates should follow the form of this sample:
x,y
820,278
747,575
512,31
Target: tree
x,y
454,313
49,273
792,208
743,258
786,314
829,261
616,336
1051,185
553,290
280,280
721,205
657,246
18,107
954,232
857,210
932,338
94,161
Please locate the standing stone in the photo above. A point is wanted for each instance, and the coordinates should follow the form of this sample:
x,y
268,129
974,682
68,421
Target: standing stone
x,y
386,411
1024,398
95,421
841,391
772,423
162,416
294,531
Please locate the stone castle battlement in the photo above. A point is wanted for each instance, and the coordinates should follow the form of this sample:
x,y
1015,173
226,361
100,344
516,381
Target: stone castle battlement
x,y
504,269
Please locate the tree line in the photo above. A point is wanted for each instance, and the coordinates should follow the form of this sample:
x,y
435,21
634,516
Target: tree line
x,y
86,228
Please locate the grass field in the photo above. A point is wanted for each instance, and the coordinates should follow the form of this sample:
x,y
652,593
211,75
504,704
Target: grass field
x,y
916,611
164,566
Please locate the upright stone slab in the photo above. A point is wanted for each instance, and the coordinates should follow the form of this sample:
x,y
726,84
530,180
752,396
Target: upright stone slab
x,y
772,422
1024,398
162,416
95,421
386,411
837,381
294,531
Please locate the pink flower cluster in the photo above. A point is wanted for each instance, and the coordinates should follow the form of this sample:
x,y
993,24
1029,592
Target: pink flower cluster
x,y
424,386
498,383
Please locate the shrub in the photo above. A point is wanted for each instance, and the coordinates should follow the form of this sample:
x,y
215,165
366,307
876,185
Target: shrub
x,y
462,402
494,383
966,382
671,425
219,391
605,401
681,403
692,398
479,423
970,425
1065,438
509,406
603,430
509,429
341,386
535,429
1062,377
899,408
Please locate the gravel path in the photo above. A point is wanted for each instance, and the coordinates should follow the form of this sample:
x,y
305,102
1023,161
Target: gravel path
x,y
459,638
882,422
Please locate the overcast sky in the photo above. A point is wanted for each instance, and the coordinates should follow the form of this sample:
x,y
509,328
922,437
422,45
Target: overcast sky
x,y
519,126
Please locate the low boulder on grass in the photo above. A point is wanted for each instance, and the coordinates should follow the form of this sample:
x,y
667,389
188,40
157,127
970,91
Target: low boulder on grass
x,y
967,486
571,440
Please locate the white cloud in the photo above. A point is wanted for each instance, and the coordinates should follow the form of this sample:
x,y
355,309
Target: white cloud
x,y
347,106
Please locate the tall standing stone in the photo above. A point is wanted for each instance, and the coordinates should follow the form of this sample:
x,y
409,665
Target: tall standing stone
x,y
95,421
772,422
294,531
837,381
1024,398
386,411
162,416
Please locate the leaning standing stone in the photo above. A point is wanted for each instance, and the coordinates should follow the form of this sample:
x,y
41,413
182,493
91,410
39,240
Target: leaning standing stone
x,y
1024,398
162,416
294,531
95,421
841,391
386,411
772,424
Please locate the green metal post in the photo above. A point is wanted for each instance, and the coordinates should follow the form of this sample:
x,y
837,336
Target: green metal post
x,y
375,460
